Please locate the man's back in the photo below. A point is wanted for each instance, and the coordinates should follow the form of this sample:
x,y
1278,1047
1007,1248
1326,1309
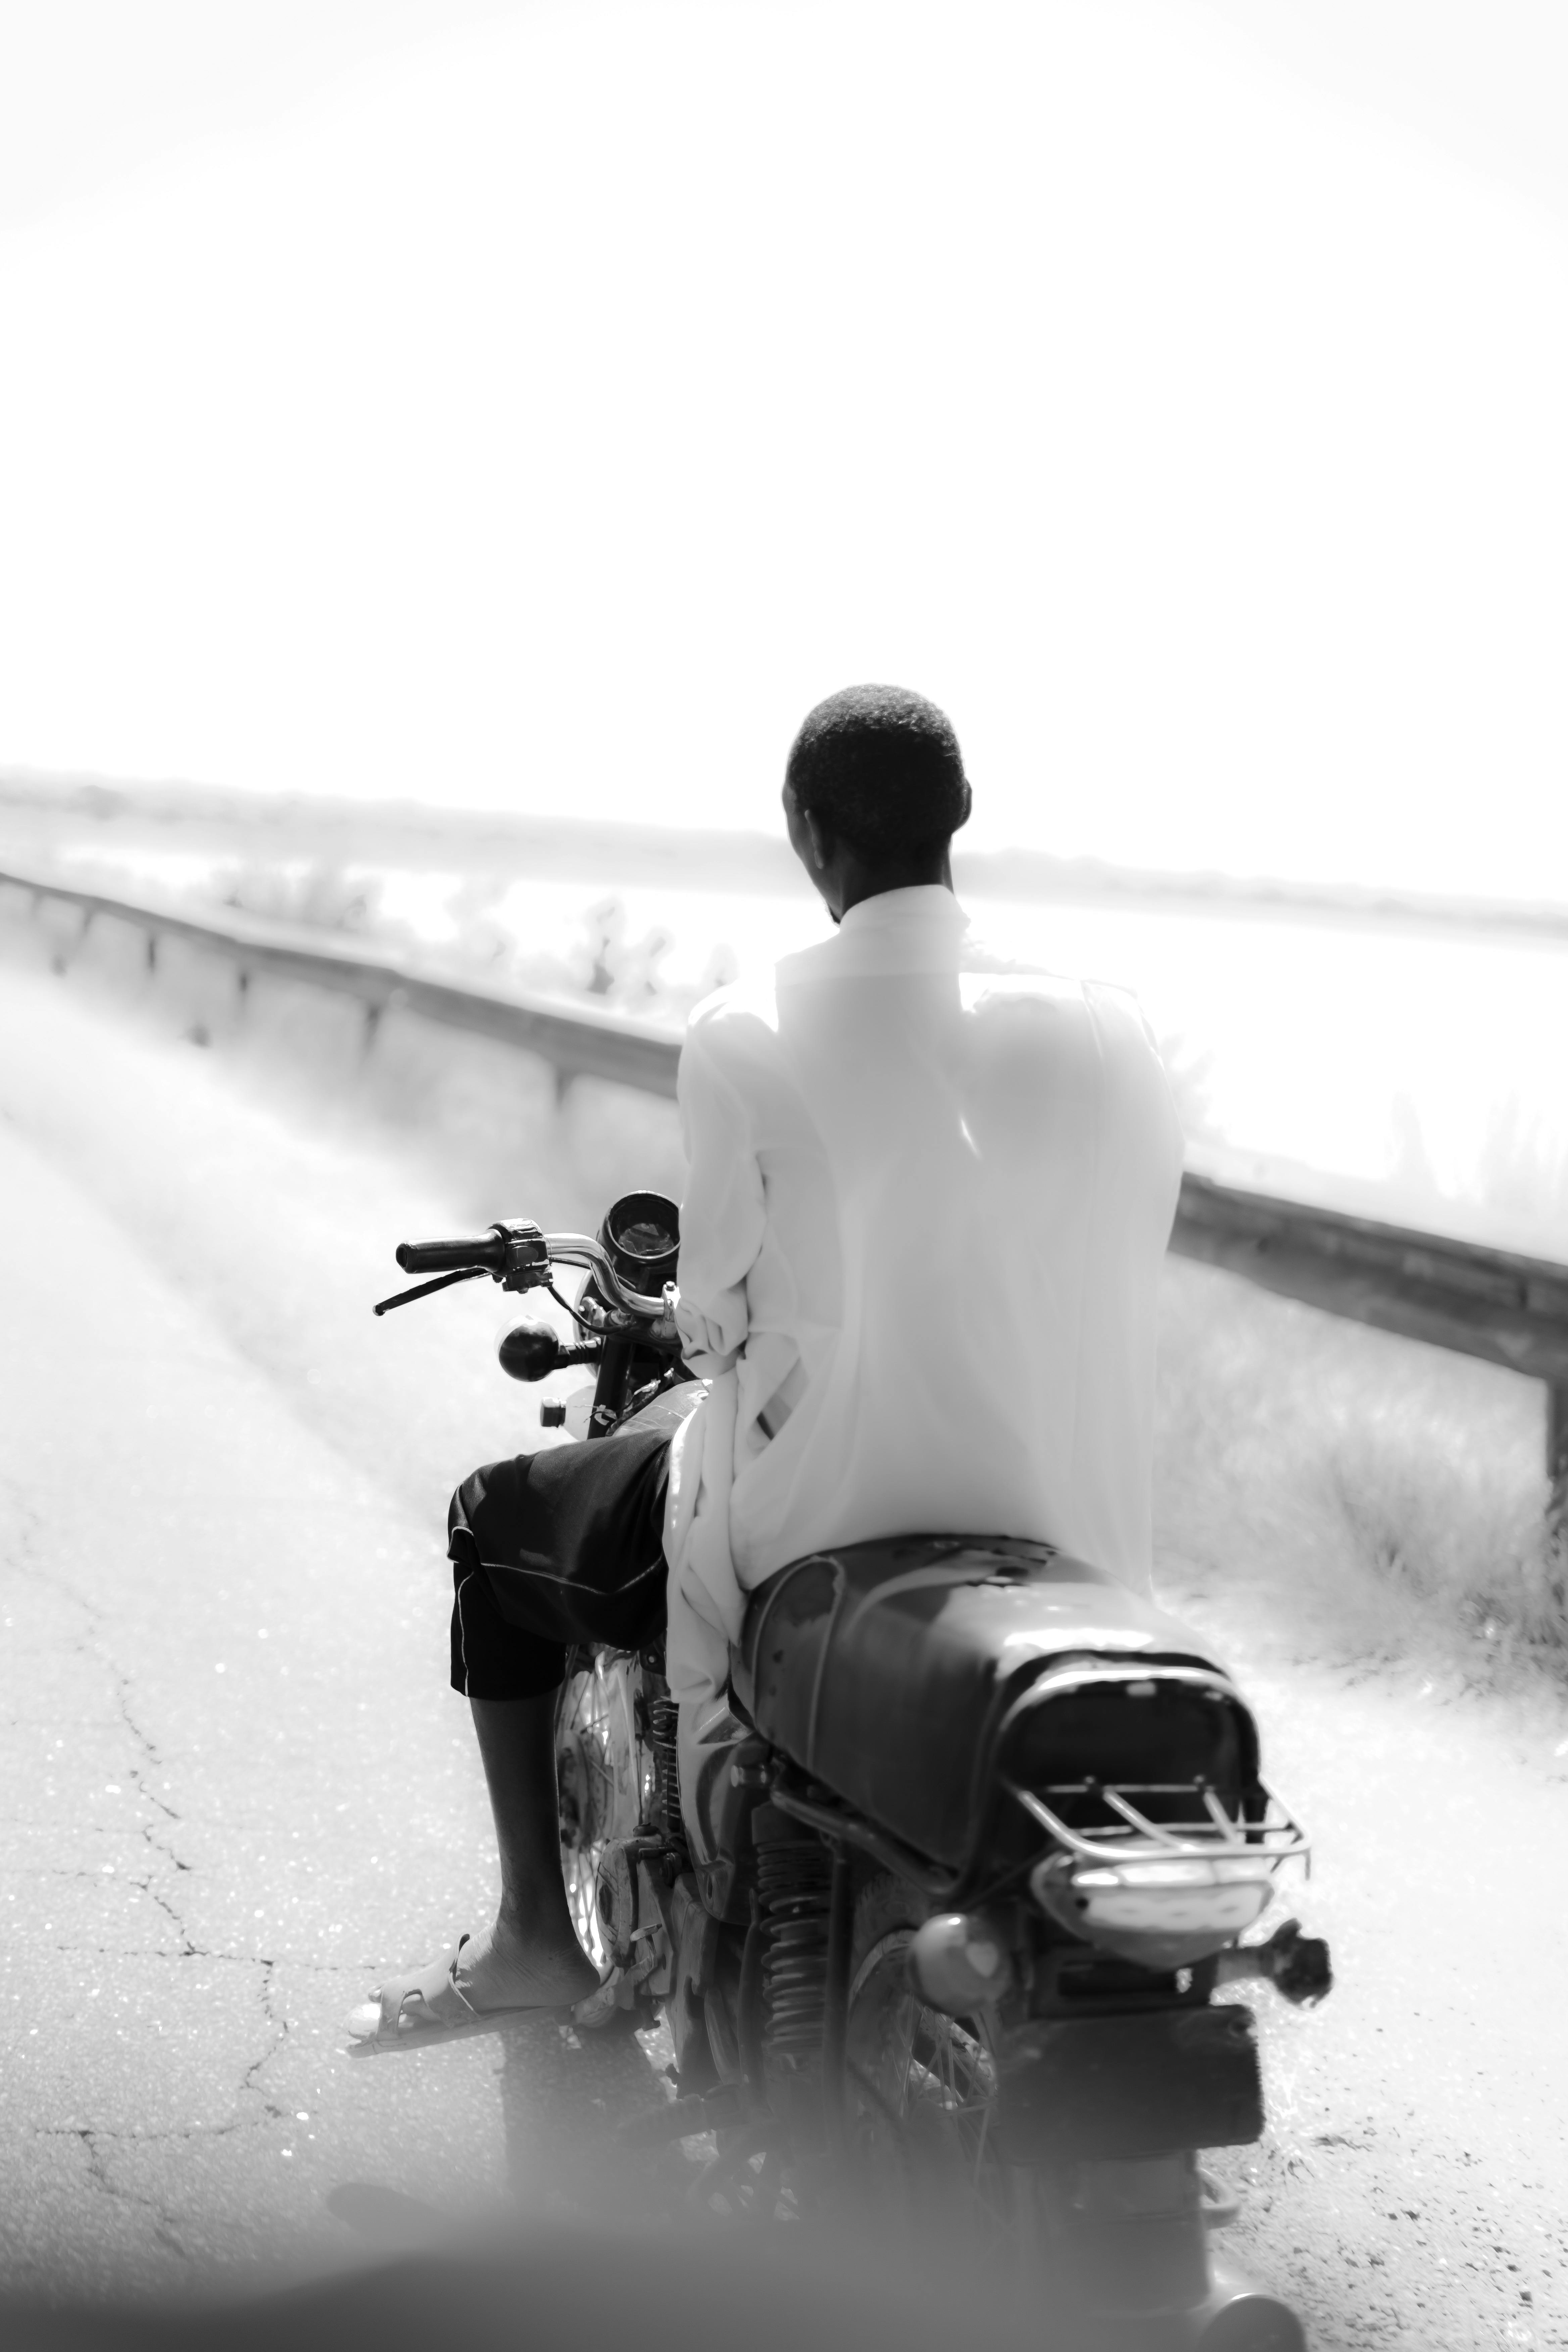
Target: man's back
x,y
929,1198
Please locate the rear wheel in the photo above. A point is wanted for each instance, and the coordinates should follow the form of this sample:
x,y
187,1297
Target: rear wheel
x,y
918,2094
1122,2244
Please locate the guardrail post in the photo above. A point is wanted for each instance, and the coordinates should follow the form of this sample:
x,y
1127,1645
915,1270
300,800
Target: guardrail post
x,y
1557,1460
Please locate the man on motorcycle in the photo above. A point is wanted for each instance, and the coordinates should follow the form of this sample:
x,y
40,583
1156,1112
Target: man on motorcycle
x,y
929,1196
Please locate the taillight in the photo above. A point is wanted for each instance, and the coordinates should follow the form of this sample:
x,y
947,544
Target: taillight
x,y
1162,1910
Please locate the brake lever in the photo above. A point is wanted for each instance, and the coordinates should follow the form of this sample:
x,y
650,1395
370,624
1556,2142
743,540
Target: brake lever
x,y
422,1289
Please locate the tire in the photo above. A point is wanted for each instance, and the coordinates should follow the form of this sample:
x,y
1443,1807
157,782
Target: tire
x,y
919,2099
918,2094
602,1779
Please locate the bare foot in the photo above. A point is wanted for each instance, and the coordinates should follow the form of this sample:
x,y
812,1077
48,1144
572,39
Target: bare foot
x,y
510,1967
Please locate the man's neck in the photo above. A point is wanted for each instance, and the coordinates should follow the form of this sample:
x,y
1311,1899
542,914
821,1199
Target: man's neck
x,y
856,881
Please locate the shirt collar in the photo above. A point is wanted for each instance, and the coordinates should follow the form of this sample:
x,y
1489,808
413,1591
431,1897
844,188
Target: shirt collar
x,y
926,905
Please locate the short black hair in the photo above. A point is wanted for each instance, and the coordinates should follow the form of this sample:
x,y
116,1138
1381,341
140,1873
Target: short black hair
x,y
879,767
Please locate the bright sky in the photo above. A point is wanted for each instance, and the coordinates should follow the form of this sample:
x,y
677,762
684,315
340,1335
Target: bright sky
x,y
541,405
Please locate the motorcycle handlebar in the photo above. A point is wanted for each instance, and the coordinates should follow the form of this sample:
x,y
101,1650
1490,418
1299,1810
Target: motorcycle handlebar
x,y
576,1249
488,1252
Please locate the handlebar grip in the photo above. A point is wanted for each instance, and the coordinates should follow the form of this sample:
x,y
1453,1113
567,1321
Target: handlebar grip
x,y
450,1257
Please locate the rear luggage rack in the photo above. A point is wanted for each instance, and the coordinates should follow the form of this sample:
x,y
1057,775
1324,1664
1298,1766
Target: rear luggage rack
x,y
1213,1836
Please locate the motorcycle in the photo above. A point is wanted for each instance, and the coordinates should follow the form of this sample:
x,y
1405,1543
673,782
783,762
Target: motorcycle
x,y
936,1901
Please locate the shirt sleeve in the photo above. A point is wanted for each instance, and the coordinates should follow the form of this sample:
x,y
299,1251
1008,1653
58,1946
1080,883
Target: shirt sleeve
x,y
723,1215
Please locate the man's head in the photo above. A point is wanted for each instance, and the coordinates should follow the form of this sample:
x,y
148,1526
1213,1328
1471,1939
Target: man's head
x,y
874,791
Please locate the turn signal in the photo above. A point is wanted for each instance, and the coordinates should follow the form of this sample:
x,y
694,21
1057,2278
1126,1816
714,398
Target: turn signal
x,y
961,1963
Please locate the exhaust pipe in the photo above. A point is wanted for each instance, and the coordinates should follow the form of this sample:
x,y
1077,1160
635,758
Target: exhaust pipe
x,y
1235,2317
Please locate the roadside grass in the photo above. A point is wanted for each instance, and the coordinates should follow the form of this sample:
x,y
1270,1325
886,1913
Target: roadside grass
x,y
1351,1496
1366,1498
603,962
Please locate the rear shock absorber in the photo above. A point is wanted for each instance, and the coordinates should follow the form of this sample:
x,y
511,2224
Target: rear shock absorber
x,y
794,1876
662,1716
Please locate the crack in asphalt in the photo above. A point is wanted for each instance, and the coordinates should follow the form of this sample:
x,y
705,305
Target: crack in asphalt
x,y
30,1570
279,2026
26,1565
165,2224
189,1948
203,1952
94,2137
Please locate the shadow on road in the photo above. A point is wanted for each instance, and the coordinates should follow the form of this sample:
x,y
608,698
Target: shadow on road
x,y
563,2095
615,2285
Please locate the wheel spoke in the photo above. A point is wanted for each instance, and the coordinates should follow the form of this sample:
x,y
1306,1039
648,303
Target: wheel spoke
x,y
889,2112
930,2140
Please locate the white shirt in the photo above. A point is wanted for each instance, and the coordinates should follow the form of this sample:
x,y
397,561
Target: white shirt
x,y
929,1194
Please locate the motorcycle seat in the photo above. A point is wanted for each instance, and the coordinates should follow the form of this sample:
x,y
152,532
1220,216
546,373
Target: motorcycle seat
x,y
884,1669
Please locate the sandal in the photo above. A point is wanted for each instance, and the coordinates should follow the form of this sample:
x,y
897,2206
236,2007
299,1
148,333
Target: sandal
x,y
429,2002
426,2001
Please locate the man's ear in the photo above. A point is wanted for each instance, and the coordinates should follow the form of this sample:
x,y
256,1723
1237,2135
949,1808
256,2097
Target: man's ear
x,y
821,842
968,805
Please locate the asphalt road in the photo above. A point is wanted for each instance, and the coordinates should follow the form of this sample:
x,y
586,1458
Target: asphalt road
x,y
238,1788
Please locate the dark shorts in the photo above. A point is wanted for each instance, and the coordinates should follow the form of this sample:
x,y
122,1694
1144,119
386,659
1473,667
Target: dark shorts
x,y
552,1550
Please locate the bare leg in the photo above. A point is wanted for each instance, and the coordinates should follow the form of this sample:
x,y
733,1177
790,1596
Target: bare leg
x,y
531,1955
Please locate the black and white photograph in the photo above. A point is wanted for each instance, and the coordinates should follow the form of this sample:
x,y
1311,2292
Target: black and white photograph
x,y
783,1175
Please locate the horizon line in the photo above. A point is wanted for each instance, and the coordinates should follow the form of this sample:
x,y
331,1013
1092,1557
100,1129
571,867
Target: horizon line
x,y
995,872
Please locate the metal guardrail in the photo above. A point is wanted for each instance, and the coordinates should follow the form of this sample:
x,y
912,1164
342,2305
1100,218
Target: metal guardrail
x,y
1477,1301
586,1043
1494,1303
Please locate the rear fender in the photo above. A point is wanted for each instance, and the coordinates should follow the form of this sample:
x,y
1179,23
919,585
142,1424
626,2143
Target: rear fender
x,y
886,1671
